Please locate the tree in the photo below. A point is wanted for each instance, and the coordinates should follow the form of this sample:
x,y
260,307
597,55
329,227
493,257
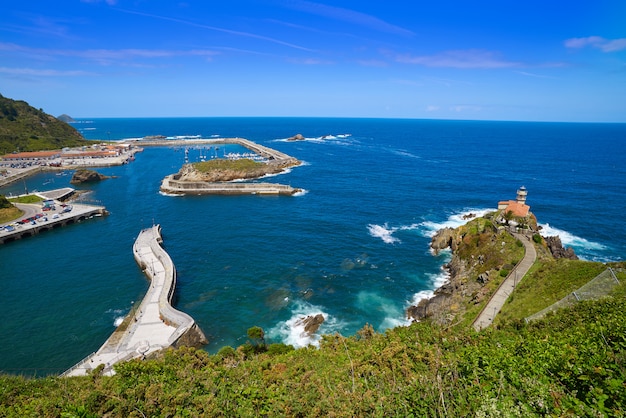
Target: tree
x,y
508,216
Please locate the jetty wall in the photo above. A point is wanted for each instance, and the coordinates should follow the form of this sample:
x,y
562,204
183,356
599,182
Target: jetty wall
x,y
169,185
183,323
154,325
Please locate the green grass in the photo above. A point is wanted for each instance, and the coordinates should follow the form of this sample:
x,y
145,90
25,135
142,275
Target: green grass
x,y
243,164
547,282
31,198
570,364
10,214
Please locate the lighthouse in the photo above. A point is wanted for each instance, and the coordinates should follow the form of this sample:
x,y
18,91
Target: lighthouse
x,y
521,195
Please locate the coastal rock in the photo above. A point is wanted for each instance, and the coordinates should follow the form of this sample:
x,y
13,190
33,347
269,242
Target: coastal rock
x,y
86,176
558,251
444,238
311,323
296,137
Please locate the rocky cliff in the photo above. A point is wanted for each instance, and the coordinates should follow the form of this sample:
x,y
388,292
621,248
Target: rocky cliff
x,y
482,254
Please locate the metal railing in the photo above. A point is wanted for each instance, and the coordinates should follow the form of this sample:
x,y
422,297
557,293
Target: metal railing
x,y
596,288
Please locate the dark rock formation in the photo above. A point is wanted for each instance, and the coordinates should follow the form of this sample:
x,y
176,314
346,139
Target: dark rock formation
x,y
311,323
558,251
86,176
296,137
444,238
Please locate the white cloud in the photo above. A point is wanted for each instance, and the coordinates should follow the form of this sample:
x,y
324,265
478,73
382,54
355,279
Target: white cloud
x,y
527,74
108,56
605,45
347,15
470,58
432,108
466,108
44,72
310,61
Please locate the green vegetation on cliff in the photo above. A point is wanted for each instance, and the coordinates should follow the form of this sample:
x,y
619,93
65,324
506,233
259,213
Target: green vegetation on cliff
x,y
570,364
24,128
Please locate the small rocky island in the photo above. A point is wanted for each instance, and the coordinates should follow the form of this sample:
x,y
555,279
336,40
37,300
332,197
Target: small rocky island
x,y
218,176
82,175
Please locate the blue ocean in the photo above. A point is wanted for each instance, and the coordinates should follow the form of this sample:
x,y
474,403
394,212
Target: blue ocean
x,y
354,246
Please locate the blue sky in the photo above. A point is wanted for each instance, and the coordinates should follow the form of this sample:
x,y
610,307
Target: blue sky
x,y
488,60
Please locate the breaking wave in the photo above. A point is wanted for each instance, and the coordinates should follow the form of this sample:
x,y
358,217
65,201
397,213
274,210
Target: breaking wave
x,y
291,331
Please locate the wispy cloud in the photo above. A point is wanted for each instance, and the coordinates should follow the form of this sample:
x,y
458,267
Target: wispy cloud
x,y
109,2
107,56
43,72
470,58
217,29
310,61
598,42
527,74
347,15
373,63
466,108
432,108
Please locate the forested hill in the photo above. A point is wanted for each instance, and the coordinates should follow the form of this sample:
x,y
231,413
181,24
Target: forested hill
x,y
24,128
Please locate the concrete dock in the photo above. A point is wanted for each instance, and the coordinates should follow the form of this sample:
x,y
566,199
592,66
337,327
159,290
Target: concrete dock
x,y
155,324
48,220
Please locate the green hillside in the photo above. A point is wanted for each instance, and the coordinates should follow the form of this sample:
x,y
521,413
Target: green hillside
x,y
24,128
572,364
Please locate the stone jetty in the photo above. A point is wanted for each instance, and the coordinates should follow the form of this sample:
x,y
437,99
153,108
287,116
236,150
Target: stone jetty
x,y
154,325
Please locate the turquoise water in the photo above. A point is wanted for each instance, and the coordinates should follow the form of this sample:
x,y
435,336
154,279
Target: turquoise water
x,y
354,246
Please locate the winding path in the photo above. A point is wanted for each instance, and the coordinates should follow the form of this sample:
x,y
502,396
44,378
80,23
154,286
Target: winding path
x,y
489,312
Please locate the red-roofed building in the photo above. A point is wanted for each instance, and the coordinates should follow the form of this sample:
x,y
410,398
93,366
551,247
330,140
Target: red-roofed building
x,y
518,207
35,155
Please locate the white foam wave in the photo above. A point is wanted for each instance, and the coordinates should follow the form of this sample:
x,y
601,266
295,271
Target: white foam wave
x,y
292,332
404,153
118,321
568,239
436,280
383,232
302,192
169,194
393,315
453,221
322,138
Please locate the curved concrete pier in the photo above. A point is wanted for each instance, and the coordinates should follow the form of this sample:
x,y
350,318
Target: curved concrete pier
x,y
155,324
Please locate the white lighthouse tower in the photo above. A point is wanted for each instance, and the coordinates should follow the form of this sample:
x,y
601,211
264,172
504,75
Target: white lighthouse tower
x,y
521,195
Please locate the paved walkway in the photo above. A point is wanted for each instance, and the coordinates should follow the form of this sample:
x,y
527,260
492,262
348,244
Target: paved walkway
x,y
146,330
489,312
